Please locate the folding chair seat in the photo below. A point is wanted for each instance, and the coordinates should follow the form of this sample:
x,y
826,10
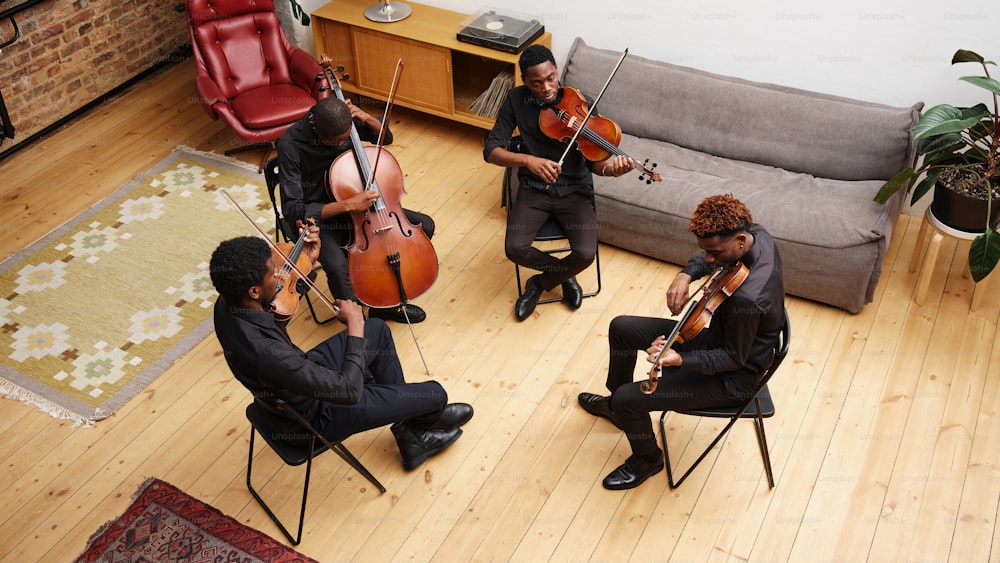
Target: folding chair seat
x,y
294,454
758,407
283,231
550,231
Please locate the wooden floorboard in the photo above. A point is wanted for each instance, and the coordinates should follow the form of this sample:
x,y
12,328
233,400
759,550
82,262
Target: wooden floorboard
x,y
883,445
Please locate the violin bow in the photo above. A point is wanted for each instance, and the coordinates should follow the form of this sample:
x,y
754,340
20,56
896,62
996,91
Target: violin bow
x,y
385,119
592,107
302,276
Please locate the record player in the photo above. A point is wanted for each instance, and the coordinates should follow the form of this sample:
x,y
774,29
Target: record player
x,y
509,32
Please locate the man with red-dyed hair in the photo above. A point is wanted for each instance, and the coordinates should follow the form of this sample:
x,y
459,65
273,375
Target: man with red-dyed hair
x,y
718,367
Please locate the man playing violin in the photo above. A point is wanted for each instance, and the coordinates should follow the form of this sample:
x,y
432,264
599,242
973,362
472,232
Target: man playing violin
x,y
546,189
305,153
719,366
349,383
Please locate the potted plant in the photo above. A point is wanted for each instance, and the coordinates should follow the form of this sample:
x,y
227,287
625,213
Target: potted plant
x,y
959,150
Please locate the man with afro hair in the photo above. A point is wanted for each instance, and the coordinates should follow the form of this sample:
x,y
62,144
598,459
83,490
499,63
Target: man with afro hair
x,y
716,368
349,383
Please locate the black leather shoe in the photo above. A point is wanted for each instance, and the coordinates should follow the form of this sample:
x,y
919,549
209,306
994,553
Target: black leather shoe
x,y
525,304
598,405
417,443
415,314
453,416
572,294
632,473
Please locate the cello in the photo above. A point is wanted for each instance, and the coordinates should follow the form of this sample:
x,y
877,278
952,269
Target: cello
x,y
723,283
390,260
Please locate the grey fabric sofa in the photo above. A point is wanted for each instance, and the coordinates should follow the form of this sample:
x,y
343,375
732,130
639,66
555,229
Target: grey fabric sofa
x,y
806,164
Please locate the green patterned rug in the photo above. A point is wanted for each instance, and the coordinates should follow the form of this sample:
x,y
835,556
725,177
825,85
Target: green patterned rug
x,y
97,309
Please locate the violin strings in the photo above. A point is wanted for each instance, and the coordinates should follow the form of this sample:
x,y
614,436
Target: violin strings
x,y
593,137
284,258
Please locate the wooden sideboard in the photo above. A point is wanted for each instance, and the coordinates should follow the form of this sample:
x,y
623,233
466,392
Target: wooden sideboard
x,y
441,75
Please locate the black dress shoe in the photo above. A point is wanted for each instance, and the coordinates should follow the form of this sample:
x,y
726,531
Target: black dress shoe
x,y
632,473
414,313
572,294
453,416
417,443
598,405
525,304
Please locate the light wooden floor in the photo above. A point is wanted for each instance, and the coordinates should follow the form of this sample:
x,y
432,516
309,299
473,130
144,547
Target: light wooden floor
x,y
884,445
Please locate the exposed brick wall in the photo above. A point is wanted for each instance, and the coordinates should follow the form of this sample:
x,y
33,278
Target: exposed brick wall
x,y
73,51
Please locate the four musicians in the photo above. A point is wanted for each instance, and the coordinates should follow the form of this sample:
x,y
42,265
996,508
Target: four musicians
x,y
354,381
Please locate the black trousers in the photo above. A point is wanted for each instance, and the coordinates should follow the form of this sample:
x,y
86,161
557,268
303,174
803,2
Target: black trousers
x,y
575,213
337,233
629,336
387,399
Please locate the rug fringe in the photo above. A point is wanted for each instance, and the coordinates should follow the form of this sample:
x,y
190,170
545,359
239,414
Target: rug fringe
x,y
221,157
12,391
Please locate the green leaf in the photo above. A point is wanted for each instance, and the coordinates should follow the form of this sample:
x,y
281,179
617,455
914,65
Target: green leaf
x,y
965,56
945,145
984,253
893,185
990,84
925,186
943,119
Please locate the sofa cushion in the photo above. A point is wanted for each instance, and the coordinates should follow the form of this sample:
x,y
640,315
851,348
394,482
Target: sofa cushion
x,y
816,211
797,130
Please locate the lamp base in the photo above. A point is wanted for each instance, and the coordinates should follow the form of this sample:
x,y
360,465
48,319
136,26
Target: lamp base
x,y
388,12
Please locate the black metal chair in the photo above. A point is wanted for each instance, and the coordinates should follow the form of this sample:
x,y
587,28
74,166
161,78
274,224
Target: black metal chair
x,y
550,231
758,407
294,455
283,231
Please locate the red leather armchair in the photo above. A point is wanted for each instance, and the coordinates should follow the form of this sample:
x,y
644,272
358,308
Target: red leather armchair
x,y
248,73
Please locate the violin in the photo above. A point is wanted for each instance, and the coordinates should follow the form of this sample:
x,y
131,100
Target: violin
x,y
599,138
278,251
723,283
390,260
286,296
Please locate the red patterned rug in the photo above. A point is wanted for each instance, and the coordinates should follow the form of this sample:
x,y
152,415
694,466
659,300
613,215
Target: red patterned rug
x,y
164,524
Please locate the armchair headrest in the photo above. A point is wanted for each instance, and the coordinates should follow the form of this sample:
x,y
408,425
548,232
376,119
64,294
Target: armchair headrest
x,y
201,11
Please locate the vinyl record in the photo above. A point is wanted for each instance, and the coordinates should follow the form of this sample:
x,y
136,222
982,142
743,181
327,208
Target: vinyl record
x,y
488,27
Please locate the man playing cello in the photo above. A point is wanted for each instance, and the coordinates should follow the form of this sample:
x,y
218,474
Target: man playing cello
x,y
305,153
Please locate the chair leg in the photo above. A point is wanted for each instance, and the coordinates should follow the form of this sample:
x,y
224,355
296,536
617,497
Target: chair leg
x,y
347,456
758,422
597,263
704,454
267,509
313,311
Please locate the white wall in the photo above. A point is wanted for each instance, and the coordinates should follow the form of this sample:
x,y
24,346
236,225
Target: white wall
x,y
894,52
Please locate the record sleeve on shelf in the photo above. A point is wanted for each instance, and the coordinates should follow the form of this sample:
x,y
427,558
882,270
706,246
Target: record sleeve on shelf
x,y
488,103
505,31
